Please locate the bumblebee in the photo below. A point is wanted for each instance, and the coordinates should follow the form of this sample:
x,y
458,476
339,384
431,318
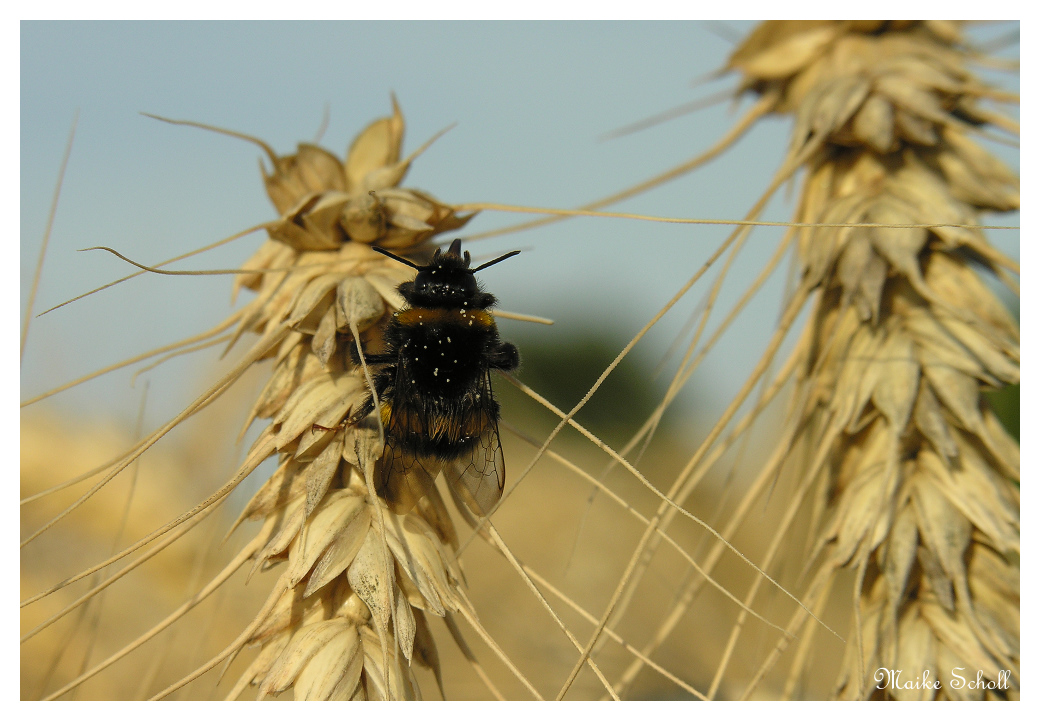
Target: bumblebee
x,y
433,386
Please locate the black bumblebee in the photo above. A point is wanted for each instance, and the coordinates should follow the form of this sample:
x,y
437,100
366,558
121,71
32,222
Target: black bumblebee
x,y
433,386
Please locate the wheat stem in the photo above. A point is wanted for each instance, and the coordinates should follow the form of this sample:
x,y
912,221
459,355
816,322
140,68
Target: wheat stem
x,y
46,238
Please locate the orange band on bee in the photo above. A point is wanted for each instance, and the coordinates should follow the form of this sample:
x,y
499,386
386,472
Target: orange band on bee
x,y
454,316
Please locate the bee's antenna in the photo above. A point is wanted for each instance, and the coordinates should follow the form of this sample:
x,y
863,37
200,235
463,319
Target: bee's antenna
x,y
398,258
497,260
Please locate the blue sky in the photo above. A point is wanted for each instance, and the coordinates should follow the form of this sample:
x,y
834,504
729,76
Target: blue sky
x,y
531,101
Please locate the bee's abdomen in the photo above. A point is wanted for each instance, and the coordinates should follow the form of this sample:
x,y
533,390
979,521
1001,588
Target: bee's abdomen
x,y
436,427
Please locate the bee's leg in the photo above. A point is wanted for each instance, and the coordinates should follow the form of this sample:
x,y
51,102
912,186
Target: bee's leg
x,y
317,427
358,413
378,358
505,357
361,411
370,358
352,349
381,381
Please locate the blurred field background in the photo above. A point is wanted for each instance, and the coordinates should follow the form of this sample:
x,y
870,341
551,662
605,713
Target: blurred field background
x,y
532,101
541,521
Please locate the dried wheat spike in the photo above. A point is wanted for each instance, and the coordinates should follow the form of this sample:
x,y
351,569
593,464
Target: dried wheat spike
x,y
914,479
357,580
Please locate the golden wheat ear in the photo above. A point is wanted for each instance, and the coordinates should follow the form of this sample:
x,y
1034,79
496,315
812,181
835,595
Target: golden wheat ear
x,y
894,434
353,598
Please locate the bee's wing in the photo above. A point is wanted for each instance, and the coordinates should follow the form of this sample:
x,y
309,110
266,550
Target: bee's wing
x,y
479,477
405,478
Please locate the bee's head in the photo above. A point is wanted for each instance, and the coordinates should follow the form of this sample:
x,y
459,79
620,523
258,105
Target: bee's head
x,y
446,281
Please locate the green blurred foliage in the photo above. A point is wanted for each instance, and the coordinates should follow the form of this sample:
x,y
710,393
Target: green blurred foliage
x,y
1005,404
562,367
